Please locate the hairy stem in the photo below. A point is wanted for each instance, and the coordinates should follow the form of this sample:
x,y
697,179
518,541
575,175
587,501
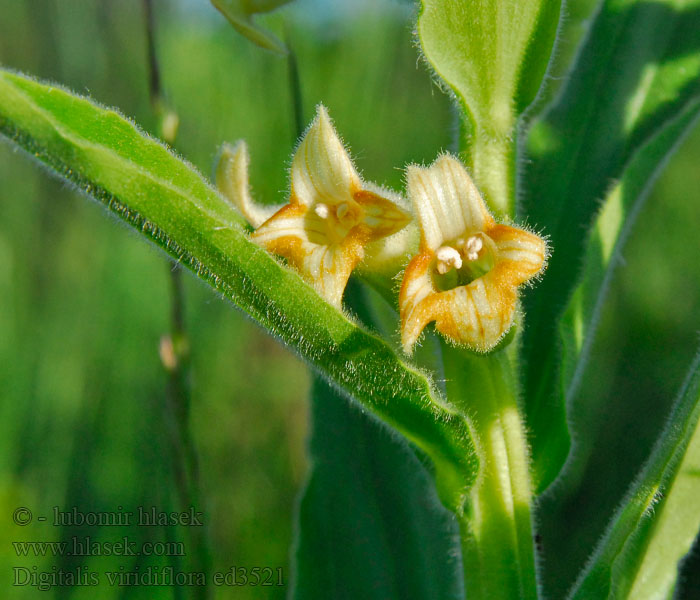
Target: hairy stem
x,y
496,525
492,162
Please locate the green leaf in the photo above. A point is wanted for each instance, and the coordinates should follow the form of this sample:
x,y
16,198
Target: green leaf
x,y
165,199
637,73
370,524
656,525
612,227
493,56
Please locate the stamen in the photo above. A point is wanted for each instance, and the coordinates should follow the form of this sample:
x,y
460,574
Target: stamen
x,y
322,210
472,247
447,258
345,215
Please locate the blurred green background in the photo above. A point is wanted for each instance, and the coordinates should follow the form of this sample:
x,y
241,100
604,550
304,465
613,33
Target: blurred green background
x,y
84,302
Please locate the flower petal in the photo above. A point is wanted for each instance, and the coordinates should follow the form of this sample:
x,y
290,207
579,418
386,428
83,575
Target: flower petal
x,y
382,217
476,315
300,235
521,255
329,268
415,308
446,201
232,181
295,221
322,170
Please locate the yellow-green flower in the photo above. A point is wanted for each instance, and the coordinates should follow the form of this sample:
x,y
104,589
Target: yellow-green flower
x,y
466,274
332,214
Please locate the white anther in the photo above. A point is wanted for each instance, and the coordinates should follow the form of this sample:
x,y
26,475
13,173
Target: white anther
x,y
472,247
447,258
322,210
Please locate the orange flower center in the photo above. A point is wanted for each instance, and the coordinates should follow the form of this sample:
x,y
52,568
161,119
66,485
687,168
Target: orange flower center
x,y
340,218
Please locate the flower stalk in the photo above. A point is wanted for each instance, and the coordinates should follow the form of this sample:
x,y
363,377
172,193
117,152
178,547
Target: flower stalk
x,y
493,165
496,524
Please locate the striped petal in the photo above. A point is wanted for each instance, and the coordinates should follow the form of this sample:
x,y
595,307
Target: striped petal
x,y
415,304
382,217
476,315
329,268
446,201
522,255
301,236
322,171
232,181
292,221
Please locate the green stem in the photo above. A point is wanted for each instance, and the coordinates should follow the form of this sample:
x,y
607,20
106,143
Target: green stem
x,y
492,162
496,526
